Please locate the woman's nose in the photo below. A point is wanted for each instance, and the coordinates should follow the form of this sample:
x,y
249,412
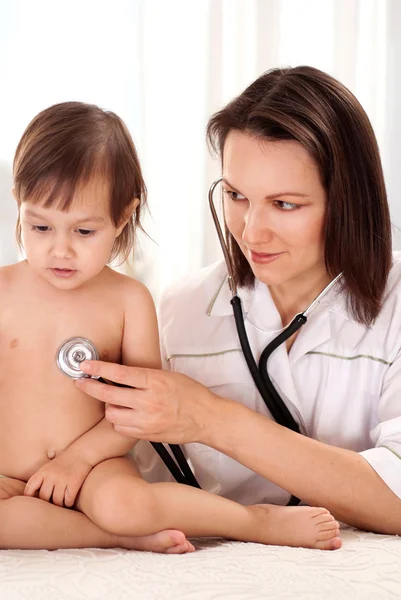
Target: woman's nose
x,y
256,226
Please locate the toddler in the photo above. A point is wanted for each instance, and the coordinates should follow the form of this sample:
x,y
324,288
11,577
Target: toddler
x,y
68,479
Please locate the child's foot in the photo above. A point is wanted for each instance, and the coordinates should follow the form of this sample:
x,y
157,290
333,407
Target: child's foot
x,y
300,526
169,541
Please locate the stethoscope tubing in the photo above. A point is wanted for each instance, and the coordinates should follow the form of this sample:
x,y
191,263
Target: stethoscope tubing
x,y
273,401
270,396
295,325
181,472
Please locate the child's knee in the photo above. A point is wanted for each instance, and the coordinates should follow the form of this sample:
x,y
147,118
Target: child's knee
x,y
9,493
122,503
3,520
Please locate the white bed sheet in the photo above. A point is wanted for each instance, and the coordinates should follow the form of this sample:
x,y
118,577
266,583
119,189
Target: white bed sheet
x,y
368,567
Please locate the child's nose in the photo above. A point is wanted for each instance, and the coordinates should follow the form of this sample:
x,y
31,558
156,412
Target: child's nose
x,y
61,247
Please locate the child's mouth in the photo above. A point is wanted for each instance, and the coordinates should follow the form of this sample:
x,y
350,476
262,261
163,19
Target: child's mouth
x,y
63,272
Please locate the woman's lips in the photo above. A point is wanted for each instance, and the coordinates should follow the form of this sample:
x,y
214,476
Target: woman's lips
x,y
64,273
259,258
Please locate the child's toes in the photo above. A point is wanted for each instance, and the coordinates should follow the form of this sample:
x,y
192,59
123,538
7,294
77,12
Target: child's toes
x,y
333,543
323,518
181,548
326,534
320,513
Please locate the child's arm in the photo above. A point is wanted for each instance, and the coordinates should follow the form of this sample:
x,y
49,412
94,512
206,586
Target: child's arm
x,y
63,477
140,347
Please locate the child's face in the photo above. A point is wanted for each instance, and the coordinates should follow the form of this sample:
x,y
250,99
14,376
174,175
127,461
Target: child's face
x,y
69,248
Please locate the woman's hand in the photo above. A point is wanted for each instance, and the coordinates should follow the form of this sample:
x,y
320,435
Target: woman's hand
x,y
156,405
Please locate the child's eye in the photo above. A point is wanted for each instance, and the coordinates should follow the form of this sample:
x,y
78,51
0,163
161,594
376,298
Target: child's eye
x,y
40,228
234,195
86,232
288,206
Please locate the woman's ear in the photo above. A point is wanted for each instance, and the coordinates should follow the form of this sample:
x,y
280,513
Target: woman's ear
x,y
129,211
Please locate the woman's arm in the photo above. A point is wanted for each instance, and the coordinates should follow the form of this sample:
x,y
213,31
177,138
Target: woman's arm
x,y
173,408
340,480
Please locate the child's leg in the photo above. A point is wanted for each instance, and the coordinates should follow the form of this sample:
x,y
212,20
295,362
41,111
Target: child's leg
x,y
116,498
32,523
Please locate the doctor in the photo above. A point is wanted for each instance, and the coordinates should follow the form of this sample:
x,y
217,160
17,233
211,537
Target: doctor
x,y
304,199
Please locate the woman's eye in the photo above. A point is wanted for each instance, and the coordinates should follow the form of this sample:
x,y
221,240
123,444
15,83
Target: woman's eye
x,y
86,232
282,205
40,228
234,195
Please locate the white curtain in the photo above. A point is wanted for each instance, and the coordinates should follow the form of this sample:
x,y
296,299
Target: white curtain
x,y
164,67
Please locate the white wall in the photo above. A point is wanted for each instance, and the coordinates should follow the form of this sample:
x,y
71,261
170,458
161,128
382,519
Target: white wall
x,y
164,67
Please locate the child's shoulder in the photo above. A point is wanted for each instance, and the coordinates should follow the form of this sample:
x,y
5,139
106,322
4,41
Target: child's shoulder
x,y
8,274
130,290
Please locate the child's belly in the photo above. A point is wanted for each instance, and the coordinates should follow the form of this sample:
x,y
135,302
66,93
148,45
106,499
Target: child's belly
x,y
41,410
38,423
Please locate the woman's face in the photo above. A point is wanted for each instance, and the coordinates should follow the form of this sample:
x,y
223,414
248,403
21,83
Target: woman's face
x,y
275,208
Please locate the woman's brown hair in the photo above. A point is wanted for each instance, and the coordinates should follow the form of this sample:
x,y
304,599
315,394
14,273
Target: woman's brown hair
x,y
309,106
63,147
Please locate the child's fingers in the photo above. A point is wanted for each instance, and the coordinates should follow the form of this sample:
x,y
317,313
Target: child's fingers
x,y
71,492
46,490
33,485
58,495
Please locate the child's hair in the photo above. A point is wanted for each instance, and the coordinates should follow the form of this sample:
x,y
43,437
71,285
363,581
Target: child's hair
x,y
63,147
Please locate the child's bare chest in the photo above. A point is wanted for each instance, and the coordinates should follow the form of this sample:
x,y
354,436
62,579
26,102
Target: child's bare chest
x,y
31,332
40,408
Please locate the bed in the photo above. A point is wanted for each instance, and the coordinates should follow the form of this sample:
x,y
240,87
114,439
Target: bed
x,y
368,567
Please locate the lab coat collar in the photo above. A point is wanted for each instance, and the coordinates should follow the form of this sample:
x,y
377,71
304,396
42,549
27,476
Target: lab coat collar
x,y
220,302
326,322
260,311
257,305
316,331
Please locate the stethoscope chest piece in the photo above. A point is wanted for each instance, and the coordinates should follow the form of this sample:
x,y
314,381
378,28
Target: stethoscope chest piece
x,y
71,353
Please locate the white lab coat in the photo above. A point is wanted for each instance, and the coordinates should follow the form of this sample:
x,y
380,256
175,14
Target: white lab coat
x,y
341,380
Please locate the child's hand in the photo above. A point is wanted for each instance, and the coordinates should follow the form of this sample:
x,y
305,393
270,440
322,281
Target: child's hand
x,y
59,480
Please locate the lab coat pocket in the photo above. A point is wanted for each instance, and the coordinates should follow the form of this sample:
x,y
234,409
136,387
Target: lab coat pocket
x,y
351,400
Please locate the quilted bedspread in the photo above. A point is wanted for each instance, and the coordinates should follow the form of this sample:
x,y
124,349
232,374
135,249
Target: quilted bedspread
x,y
368,567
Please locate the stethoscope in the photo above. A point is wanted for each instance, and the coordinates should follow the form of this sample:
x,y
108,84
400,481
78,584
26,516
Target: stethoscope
x,y
75,350
69,357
